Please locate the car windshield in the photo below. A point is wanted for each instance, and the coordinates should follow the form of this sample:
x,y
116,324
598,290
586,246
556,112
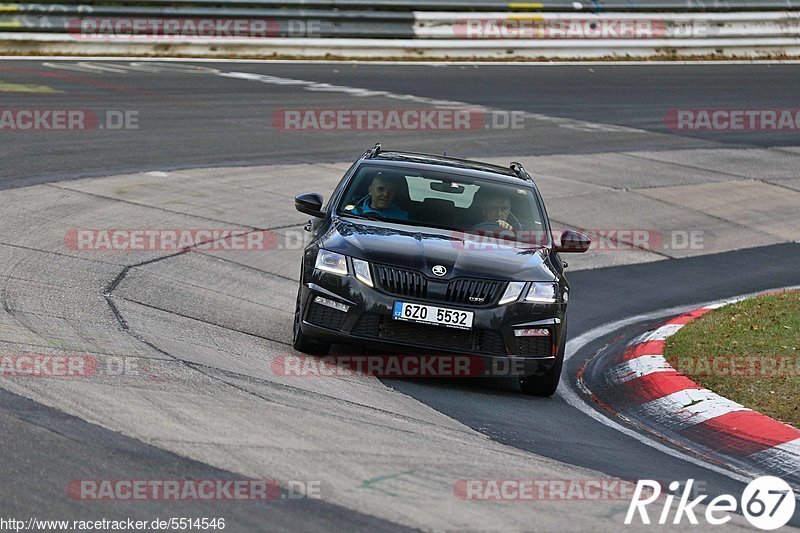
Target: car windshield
x,y
446,201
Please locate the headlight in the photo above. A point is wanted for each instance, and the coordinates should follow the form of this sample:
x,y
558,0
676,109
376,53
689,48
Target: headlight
x,y
512,292
542,292
361,268
331,262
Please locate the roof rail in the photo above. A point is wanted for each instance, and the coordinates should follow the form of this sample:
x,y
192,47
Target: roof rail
x,y
520,171
373,152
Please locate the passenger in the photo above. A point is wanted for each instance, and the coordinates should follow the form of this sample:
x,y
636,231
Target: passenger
x,y
380,200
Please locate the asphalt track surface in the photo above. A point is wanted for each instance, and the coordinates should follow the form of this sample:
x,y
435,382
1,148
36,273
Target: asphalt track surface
x,y
44,449
204,120
550,427
199,120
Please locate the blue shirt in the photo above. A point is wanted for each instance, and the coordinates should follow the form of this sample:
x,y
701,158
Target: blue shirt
x,y
363,208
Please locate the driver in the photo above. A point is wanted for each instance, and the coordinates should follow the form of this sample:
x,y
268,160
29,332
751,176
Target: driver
x,y
495,209
380,200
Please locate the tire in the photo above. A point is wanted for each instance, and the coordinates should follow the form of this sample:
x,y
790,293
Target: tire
x,y
300,340
545,385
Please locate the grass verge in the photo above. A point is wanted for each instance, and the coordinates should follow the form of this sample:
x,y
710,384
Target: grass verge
x,y
748,352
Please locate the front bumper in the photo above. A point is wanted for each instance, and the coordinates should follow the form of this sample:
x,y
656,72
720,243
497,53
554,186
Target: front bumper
x,y
368,321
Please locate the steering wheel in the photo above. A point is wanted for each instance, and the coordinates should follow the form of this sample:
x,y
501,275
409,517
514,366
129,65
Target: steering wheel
x,y
517,224
489,226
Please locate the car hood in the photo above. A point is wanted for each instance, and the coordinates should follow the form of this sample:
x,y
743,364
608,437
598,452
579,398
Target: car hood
x,y
423,248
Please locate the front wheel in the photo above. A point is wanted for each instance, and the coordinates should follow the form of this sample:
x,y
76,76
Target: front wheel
x,y
545,385
300,341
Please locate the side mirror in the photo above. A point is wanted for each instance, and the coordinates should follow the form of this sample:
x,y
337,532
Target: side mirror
x,y
573,242
309,203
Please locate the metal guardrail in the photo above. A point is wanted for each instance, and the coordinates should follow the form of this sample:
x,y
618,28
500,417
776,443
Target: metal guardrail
x,y
607,25
447,27
75,19
594,6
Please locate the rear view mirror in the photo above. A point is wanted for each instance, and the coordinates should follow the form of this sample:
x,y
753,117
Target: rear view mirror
x,y
448,187
309,203
573,242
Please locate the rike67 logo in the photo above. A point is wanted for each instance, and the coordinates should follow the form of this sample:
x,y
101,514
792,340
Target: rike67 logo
x,y
767,503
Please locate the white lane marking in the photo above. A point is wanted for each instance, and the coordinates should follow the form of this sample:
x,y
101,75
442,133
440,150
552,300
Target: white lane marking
x,y
662,332
581,125
358,92
723,304
134,66
84,66
352,91
572,397
688,407
658,334
638,367
784,457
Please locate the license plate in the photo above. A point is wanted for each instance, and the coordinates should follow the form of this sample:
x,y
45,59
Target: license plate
x,y
430,314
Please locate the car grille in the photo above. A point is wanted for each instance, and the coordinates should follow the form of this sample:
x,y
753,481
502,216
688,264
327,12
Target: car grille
x,y
326,317
462,291
381,327
539,346
473,291
402,282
